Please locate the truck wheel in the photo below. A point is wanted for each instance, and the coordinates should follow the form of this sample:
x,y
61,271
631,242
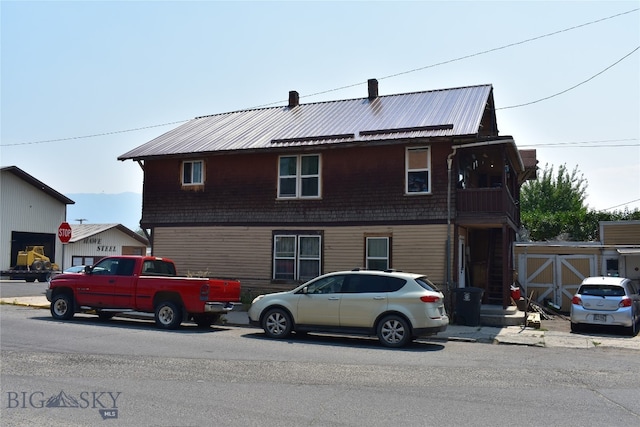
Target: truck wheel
x,y
168,315
394,331
62,307
277,323
30,279
44,277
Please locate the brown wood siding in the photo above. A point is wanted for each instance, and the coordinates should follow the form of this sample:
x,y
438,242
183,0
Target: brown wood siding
x,y
245,252
621,234
359,185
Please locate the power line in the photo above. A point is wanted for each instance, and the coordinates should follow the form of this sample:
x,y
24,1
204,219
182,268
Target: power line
x,y
622,204
95,134
465,57
574,86
382,78
586,144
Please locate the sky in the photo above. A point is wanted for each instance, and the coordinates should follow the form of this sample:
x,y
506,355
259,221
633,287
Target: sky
x,y
83,82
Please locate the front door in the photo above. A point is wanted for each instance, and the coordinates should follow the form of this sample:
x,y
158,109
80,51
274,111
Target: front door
x,y
97,289
320,305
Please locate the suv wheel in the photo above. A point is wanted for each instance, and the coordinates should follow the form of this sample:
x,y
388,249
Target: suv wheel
x,y
394,331
277,323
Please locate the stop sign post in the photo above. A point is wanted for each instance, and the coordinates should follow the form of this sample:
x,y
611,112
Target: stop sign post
x,y
64,232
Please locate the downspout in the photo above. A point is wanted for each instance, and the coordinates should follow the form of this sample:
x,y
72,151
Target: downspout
x,y
148,235
448,245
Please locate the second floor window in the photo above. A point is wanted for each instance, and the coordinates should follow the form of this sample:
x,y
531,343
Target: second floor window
x,y
418,164
192,172
299,176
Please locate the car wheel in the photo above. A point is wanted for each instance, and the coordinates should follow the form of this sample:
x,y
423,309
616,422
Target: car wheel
x,y
633,329
62,306
394,331
168,315
277,323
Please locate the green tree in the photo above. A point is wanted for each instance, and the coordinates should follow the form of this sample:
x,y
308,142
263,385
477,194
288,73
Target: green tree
x,y
553,207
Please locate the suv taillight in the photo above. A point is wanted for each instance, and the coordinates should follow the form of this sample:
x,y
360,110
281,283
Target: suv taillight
x,y
626,302
430,298
576,300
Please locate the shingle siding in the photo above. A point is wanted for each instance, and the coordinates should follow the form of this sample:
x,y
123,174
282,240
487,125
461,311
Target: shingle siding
x,y
359,184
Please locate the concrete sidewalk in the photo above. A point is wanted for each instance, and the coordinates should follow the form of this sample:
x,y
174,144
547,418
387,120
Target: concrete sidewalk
x,y
514,335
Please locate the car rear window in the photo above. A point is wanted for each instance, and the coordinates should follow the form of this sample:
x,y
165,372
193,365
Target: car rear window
x,y
158,267
427,284
602,290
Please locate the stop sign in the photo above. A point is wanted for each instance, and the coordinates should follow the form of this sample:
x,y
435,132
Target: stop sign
x,y
64,232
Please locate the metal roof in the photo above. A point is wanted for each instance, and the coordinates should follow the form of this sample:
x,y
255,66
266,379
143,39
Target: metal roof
x,y
82,231
38,184
437,113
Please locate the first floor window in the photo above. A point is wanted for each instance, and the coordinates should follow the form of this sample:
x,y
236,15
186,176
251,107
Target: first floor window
x,y
296,256
418,162
377,255
192,172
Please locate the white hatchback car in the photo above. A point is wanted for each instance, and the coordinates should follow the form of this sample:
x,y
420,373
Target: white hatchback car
x,y
394,306
610,301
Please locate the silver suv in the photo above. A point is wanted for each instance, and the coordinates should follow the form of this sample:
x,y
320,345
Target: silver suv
x,y
395,306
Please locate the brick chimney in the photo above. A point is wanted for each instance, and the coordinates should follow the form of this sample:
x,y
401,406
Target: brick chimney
x,y
373,88
294,99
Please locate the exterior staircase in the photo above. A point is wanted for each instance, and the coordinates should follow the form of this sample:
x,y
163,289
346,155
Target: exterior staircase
x,y
495,315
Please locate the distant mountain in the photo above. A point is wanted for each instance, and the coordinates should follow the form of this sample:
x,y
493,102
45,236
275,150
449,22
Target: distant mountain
x,y
100,208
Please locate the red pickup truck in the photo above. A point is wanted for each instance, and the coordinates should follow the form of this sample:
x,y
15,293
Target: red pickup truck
x,y
143,284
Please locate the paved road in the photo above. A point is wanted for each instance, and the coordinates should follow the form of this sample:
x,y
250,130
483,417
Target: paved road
x,y
20,288
127,372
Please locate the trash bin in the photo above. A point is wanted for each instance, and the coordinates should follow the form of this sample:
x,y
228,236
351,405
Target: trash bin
x,y
467,309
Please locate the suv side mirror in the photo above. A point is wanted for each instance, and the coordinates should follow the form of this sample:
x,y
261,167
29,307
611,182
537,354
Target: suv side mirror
x,y
88,269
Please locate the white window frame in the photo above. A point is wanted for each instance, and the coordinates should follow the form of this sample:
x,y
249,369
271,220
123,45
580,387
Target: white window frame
x,y
300,178
192,180
297,257
369,257
409,170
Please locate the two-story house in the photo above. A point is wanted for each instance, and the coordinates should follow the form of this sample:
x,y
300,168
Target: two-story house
x,y
417,182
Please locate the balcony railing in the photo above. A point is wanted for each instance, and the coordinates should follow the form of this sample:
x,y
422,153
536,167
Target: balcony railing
x,y
486,202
